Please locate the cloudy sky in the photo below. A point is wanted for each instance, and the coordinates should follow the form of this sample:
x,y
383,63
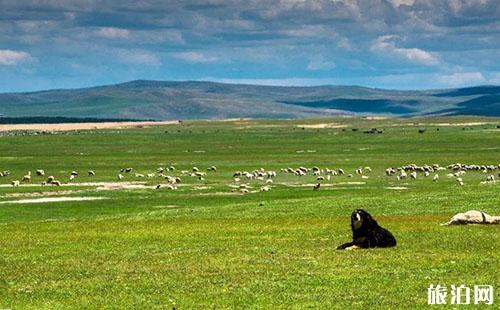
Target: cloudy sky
x,y
401,44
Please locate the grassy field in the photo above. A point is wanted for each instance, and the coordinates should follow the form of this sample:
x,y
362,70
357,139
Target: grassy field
x,y
204,246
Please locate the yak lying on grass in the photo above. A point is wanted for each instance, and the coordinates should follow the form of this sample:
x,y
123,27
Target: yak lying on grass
x,y
366,233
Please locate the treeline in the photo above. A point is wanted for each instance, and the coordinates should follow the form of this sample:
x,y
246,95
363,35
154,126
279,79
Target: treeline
x,y
60,119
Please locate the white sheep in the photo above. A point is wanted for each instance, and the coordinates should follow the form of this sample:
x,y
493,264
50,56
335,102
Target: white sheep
x,y
27,177
15,183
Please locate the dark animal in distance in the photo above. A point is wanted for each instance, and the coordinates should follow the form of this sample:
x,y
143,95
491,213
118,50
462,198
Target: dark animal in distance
x,y
366,233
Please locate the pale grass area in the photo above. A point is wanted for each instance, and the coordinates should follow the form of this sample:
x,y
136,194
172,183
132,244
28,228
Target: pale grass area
x,y
82,126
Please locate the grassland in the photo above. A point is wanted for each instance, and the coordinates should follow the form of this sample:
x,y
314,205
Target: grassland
x,y
204,246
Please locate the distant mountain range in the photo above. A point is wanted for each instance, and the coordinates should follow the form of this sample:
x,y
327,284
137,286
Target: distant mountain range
x,y
161,100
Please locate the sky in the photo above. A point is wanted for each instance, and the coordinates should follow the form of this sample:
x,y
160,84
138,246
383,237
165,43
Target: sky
x,y
393,44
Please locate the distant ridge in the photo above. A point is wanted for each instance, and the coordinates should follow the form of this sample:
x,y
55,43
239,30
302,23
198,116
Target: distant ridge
x,y
161,100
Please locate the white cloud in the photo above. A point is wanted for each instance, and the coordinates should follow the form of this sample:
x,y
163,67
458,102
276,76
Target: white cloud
x,y
139,57
385,44
113,33
10,57
461,79
320,63
195,57
397,3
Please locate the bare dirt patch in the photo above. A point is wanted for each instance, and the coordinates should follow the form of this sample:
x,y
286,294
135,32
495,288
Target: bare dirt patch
x,y
453,124
82,126
110,186
322,125
51,199
375,118
43,194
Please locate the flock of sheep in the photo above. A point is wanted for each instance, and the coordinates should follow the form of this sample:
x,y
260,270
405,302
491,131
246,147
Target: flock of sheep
x,y
410,171
457,171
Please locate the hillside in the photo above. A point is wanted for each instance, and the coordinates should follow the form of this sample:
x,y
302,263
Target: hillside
x,y
160,100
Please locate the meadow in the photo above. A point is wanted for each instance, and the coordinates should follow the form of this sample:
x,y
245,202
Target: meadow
x,y
205,245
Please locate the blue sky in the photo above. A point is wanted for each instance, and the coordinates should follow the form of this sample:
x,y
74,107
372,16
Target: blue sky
x,y
397,44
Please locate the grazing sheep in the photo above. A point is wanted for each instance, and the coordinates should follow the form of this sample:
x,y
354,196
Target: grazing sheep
x,y
212,168
460,181
139,175
27,177
341,171
56,183
473,217
50,179
269,181
316,187
413,175
40,172
15,183
71,177
91,173
158,186
244,190
490,178
265,189
426,174
435,178
195,169
74,173
120,176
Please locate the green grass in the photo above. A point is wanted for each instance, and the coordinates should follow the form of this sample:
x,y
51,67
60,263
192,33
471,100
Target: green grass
x,y
203,247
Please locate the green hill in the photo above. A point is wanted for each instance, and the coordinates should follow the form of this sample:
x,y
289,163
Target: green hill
x,y
157,100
